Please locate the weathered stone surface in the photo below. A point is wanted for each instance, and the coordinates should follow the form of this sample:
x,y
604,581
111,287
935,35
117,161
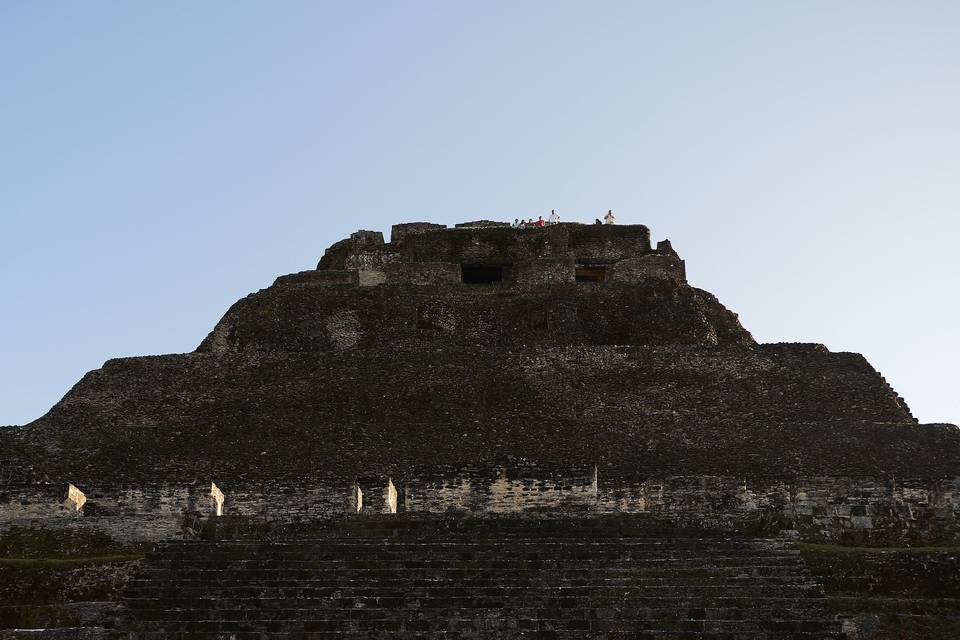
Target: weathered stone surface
x,y
495,245
488,371
890,593
488,578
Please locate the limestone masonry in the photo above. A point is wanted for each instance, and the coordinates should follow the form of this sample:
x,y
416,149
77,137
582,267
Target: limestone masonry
x,y
485,372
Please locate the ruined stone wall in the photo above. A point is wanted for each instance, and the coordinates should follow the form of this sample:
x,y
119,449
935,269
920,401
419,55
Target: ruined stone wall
x,y
545,308
399,232
157,512
310,395
536,272
657,266
823,509
259,415
493,245
331,278
415,274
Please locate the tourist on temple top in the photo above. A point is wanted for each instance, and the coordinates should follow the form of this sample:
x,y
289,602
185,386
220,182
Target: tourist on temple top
x,y
597,221
554,217
540,221
516,224
609,218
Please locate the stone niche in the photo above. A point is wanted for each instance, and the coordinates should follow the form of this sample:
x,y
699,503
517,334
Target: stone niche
x,y
76,498
390,497
355,499
373,495
216,499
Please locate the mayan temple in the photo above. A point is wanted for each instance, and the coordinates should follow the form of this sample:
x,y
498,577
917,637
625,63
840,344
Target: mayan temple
x,y
482,432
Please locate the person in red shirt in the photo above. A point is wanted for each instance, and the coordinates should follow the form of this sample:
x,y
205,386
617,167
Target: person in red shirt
x,y
540,222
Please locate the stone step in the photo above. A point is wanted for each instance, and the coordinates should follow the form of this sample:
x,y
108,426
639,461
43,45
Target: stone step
x,y
468,577
465,555
438,618
361,556
568,597
443,590
266,561
505,576
709,594
62,633
771,608
621,525
536,542
586,598
472,635
449,578
63,615
499,624
543,597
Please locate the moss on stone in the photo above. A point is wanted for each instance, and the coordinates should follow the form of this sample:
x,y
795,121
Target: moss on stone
x,y
48,566
47,545
914,572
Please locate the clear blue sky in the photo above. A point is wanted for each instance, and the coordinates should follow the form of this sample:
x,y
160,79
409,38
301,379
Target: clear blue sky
x,y
160,160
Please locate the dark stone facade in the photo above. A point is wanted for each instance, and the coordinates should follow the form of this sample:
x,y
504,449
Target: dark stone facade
x,y
487,370
382,363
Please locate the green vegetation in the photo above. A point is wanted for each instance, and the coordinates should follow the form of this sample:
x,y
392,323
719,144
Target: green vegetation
x,y
56,567
21,543
891,593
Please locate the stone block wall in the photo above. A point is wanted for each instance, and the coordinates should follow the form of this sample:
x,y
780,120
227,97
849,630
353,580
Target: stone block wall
x,y
417,274
538,256
543,271
823,509
399,232
484,242
330,278
655,266
481,224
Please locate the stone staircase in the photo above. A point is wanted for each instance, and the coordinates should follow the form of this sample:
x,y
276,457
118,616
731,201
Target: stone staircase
x,y
451,578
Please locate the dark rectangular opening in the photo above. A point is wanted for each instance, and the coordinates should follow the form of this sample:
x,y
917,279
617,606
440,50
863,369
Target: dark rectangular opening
x,y
590,274
481,274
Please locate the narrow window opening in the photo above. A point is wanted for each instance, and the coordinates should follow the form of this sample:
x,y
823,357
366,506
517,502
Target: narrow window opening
x,y
591,274
390,497
481,274
357,499
76,497
216,499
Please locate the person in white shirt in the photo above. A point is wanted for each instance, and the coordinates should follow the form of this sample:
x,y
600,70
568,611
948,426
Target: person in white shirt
x,y
609,218
554,217
516,223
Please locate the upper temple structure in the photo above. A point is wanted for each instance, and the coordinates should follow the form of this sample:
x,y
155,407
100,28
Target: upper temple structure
x,y
486,371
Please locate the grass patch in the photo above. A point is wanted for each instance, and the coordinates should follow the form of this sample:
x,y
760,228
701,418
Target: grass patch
x,y
908,573
57,566
47,544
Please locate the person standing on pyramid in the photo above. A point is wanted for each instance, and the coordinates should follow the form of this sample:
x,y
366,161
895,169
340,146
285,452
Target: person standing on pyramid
x,y
609,218
554,217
